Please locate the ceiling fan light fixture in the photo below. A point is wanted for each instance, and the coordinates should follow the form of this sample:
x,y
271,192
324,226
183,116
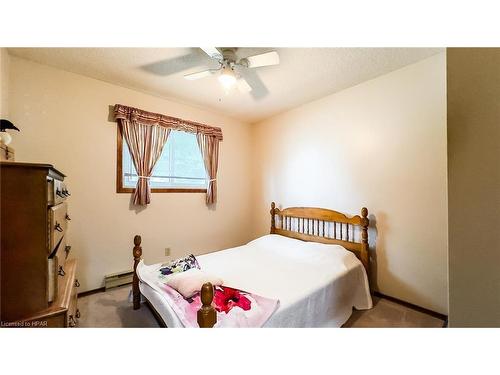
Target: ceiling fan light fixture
x,y
227,78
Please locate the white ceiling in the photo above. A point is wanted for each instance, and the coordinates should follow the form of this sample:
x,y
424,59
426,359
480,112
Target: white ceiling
x,y
303,75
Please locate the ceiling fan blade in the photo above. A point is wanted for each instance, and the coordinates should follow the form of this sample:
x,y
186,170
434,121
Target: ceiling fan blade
x,y
213,52
243,85
198,75
263,59
175,65
259,90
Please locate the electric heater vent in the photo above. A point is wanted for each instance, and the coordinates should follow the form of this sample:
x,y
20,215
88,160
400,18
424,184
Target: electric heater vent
x,y
118,279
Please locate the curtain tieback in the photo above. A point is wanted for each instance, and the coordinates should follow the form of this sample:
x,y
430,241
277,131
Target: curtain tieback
x,y
146,177
212,180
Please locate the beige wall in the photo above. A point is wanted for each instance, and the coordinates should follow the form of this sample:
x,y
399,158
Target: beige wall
x,y
63,119
381,144
4,83
474,186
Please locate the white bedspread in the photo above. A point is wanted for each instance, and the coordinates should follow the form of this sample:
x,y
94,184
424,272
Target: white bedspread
x,y
317,284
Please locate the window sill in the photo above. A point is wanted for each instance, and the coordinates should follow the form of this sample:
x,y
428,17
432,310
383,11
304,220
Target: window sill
x,y
164,190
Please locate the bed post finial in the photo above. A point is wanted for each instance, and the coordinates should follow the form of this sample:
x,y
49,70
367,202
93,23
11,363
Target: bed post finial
x,y
207,316
137,252
273,214
365,256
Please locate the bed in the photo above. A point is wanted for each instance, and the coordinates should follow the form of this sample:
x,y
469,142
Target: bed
x,y
315,261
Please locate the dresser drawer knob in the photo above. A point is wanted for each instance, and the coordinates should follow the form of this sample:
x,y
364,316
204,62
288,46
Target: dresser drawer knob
x,y
59,193
77,314
67,249
66,192
61,271
71,321
58,227
68,218
77,284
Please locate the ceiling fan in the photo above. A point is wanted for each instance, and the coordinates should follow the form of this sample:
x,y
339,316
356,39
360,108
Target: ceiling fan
x,y
226,63
231,67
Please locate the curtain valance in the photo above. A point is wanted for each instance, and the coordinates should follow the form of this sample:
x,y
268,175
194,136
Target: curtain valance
x,y
123,112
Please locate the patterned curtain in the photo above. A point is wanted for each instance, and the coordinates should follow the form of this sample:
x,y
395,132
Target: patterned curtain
x,y
209,147
145,143
149,118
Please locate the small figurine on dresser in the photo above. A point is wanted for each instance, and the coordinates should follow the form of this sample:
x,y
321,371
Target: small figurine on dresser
x,y
7,153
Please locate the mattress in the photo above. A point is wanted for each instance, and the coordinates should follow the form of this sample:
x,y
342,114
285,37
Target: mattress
x,y
317,284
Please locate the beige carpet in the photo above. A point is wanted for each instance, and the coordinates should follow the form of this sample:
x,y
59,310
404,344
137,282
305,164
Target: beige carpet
x,y
112,309
388,314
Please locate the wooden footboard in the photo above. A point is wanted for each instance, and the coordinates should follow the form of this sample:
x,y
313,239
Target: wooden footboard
x,y
136,293
207,316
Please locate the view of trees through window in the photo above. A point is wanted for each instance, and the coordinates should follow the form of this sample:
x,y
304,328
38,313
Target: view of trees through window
x,y
180,165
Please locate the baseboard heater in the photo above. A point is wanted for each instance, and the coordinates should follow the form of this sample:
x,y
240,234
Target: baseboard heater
x,y
118,279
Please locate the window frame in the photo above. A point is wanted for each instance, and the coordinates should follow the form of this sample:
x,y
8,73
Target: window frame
x,y
119,173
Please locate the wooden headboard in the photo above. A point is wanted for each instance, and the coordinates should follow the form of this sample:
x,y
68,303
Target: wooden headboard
x,y
325,226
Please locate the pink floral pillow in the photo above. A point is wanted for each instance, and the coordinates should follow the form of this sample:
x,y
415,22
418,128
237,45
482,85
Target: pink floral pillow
x,y
189,282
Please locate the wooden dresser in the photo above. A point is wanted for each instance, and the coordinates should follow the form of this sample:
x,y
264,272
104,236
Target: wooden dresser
x,y
38,284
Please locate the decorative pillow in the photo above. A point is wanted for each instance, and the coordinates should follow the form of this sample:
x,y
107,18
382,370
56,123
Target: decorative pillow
x,y
180,265
190,282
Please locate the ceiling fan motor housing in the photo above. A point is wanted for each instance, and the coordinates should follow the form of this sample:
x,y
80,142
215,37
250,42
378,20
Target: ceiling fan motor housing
x,y
229,71
229,54
230,59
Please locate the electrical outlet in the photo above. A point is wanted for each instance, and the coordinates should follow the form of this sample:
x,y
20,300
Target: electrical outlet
x,y
167,251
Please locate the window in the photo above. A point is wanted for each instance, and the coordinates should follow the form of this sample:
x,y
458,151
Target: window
x,y
179,169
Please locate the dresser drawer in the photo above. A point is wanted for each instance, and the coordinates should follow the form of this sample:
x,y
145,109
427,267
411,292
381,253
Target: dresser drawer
x,y
57,192
63,251
73,313
52,280
57,224
68,293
